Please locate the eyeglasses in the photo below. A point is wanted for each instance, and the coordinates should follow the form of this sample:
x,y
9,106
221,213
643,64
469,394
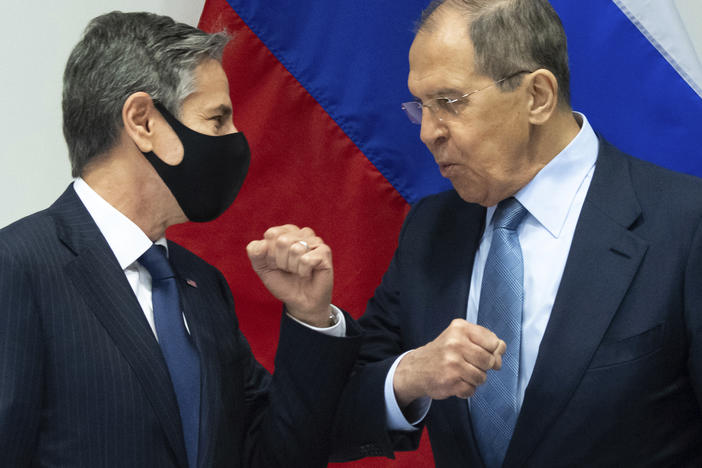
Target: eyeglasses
x,y
443,107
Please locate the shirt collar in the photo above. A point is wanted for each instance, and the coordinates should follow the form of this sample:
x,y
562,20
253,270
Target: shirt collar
x,y
127,241
549,195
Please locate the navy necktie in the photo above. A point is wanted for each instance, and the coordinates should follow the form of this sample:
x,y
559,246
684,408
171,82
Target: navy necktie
x,y
177,348
494,406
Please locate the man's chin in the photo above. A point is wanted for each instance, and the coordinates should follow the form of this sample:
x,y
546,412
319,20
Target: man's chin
x,y
477,197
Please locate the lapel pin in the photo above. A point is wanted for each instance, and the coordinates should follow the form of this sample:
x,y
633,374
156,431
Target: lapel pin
x,y
191,283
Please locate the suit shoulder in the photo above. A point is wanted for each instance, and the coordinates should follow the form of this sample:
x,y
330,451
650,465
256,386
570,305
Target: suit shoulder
x,y
441,207
674,192
28,234
661,179
448,200
435,215
448,197
665,197
649,176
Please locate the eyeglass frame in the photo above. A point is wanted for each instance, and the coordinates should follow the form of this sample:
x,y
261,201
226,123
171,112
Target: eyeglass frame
x,y
448,102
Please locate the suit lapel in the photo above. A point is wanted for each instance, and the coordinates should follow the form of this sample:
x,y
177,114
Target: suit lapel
x,y
451,264
602,262
105,290
447,289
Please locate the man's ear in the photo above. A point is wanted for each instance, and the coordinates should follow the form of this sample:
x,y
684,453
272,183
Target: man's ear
x,y
138,113
542,86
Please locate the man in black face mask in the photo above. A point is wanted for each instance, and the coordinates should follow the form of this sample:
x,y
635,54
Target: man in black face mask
x,y
119,348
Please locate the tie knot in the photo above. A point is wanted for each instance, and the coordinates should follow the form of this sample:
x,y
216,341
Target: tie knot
x,y
155,261
509,214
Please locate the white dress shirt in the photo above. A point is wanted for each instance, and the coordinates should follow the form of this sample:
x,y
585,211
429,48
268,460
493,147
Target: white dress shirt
x,y
128,242
553,199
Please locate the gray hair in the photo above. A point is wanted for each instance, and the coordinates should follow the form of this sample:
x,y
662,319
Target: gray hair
x,y
121,54
511,35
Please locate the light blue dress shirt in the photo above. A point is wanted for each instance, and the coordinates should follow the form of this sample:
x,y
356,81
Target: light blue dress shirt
x,y
554,199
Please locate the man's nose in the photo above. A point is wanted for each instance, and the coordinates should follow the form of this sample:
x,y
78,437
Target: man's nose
x,y
230,127
433,129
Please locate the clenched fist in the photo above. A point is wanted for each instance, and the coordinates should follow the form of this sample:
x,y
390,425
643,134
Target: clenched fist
x,y
296,267
454,364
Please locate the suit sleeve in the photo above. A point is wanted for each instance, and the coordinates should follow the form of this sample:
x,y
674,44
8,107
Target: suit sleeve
x,y
290,414
21,365
361,428
693,311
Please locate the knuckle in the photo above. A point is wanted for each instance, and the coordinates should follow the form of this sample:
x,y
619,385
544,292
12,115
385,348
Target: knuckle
x,y
283,240
457,323
325,250
450,363
451,342
447,363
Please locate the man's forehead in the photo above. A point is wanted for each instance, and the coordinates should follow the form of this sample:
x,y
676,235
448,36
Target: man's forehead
x,y
449,34
446,22
210,75
211,87
208,104
440,63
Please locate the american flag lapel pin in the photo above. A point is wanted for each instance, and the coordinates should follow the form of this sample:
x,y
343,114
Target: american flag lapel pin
x,y
191,283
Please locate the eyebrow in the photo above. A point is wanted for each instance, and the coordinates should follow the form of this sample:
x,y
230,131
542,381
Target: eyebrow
x,y
223,109
442,93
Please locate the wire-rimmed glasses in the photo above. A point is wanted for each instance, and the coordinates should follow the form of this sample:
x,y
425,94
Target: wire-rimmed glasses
x,y
443,106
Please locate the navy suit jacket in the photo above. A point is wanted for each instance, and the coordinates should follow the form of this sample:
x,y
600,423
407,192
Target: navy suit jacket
x,y
83,382
617,381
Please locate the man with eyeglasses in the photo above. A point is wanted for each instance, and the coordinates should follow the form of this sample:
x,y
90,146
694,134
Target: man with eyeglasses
x,y
548,310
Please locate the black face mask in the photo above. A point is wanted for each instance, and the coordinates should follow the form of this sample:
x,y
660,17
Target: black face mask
x,y
211,173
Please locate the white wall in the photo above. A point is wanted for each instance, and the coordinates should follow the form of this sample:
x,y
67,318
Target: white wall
x,y
35,41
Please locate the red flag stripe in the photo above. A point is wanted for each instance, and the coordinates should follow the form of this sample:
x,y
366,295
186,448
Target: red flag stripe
x,y
304,171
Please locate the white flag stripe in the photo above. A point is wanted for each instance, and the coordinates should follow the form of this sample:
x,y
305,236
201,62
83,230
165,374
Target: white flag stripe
x,y
661,23
691,16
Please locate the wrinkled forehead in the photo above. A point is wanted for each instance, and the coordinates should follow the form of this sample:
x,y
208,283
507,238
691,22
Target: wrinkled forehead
x,y
441,56
211,80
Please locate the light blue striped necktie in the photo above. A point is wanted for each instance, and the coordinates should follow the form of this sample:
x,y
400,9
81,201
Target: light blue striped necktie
x,y
494,406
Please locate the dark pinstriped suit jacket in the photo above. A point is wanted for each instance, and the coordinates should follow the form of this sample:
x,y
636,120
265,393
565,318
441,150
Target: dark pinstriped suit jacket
x,y
83,382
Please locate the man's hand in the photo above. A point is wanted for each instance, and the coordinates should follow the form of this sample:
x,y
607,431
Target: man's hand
x,y
454,364
296,267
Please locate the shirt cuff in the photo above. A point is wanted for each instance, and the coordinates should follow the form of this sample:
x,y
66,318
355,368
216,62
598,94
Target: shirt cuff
x,y
415,411
338,329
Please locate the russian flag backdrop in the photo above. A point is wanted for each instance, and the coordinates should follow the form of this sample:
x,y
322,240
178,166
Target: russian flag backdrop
x,y
316,87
